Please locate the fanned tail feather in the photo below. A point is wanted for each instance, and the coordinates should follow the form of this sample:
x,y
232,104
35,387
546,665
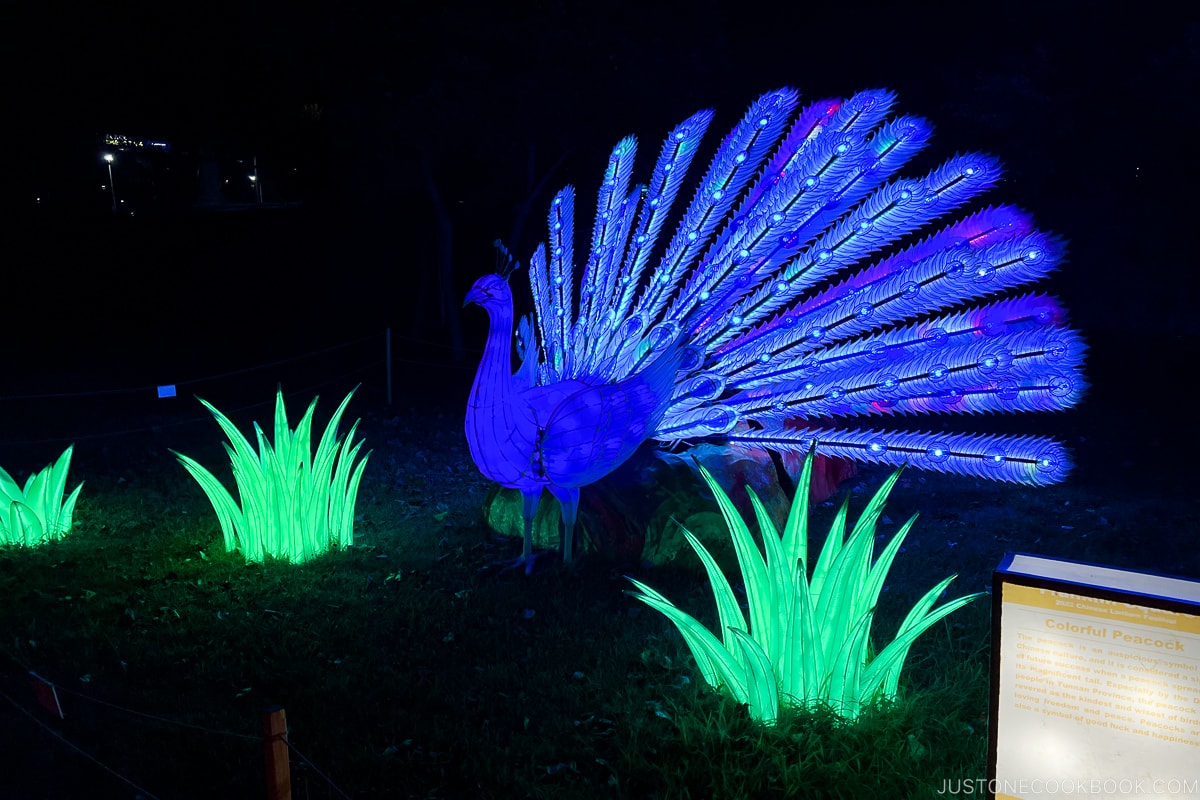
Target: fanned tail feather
x,y
1031,460
611,317
615,209
734,165
1030,312
767,289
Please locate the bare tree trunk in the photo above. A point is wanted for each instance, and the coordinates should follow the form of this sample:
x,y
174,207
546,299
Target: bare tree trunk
x,y
533,193
448,302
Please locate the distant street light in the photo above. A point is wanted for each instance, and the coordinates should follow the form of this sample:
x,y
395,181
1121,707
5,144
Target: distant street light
x,y
108,157
255,184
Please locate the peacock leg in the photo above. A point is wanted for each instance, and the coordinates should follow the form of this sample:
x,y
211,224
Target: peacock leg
x,y
568,499
529,507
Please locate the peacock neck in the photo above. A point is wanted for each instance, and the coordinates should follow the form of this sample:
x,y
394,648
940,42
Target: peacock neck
x,y
493,379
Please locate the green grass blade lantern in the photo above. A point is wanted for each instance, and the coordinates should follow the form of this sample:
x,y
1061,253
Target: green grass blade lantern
x,y
808,638
37,513
294,505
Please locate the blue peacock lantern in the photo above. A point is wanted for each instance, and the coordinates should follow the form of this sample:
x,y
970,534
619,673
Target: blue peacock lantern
x,y
804,288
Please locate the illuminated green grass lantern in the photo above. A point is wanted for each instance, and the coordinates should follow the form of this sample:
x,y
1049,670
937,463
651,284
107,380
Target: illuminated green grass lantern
x,y
294,505
37,513
808,638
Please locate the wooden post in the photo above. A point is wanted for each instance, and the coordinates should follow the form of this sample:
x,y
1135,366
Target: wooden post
x,y
279,776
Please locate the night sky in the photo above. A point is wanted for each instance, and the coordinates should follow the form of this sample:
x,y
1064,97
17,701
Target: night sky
x,y
363,119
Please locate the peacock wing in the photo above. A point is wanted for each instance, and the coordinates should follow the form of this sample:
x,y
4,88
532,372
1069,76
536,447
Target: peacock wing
x,y
595,428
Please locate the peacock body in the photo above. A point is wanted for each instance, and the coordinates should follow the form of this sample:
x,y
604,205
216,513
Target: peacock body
x,y
803,288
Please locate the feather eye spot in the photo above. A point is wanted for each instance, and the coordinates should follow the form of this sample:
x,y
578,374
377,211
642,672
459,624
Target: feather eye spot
x,y
938,372
1048,462
1061,386
877,447
720,419
937,452
739,158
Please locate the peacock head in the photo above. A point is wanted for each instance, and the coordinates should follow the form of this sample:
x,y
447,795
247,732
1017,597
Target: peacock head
x,y
490,291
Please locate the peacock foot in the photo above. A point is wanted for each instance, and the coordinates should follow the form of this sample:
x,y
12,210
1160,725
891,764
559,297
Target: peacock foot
x,y
527,563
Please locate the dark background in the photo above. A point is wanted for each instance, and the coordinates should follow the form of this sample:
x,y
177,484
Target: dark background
x,y
388,136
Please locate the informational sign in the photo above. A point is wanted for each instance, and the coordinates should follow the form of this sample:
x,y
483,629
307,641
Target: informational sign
x,y
1095,682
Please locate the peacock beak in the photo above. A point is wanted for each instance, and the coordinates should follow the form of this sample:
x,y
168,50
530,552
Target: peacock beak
x,y
476,295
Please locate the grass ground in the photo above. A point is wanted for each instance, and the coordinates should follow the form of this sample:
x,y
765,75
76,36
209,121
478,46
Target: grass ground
x,y
406,672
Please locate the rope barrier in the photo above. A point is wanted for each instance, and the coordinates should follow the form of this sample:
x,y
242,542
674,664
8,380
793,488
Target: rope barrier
x,y
153,389
196,420
157,718
315,769
191,382
76,748
154,717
